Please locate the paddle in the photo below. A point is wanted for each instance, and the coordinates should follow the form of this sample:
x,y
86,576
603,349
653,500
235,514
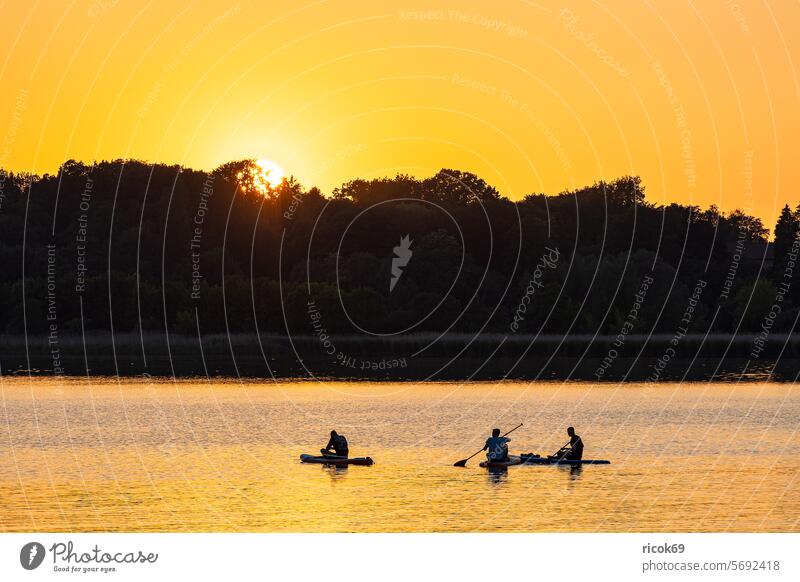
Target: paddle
x,y
463,462
562,451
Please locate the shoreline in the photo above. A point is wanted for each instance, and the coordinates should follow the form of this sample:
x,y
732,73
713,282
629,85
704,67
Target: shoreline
x,y
455,357
431,341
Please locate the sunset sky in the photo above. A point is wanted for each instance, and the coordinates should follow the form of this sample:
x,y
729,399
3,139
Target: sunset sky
x,y
701,99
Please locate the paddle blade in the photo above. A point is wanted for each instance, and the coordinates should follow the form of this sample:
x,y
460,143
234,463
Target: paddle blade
x,y
461,463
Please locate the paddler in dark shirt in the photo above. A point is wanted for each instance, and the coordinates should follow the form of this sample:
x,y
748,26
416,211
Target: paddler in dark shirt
x,y
572,451
337,443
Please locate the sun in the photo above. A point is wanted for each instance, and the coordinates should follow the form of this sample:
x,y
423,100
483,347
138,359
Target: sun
x,y
258,176
271,173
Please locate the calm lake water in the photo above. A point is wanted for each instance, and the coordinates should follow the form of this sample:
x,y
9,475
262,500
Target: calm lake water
x,y
148,455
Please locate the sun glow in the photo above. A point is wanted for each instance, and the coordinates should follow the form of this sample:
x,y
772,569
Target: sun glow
x,y
603,74
259,176
271,173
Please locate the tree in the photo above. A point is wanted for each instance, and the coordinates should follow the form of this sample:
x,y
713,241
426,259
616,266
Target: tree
x,y
626,191
367,192
248,175
785,233
752,226
453,186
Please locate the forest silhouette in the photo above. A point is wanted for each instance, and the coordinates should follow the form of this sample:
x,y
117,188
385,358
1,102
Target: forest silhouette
x,y
133,247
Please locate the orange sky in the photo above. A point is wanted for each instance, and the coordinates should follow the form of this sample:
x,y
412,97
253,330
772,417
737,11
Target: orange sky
x,y
700,98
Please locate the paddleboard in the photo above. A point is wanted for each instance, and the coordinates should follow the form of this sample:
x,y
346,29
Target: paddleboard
x,y
333,460
512,460
536,460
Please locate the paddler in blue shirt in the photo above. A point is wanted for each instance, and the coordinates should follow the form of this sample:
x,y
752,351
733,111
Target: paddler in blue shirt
x,y
496,447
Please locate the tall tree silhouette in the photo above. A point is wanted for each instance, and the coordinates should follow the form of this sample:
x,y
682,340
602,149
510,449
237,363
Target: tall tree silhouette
x,y
785,233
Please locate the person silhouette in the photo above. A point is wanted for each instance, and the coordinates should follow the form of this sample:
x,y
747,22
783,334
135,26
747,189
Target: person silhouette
x,y
338,443
496,447
573,450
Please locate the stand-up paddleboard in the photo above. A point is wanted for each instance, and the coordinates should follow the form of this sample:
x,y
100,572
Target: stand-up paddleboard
x,y
335,460
537,460
511,461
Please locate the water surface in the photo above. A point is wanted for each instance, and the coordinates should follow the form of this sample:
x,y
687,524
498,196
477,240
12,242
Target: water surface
x,y
164,455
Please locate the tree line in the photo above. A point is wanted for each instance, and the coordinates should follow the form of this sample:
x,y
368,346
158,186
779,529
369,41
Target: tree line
x,y
127,246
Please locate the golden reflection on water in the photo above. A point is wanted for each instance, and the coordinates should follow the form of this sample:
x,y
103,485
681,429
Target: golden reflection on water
x,y
148,455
